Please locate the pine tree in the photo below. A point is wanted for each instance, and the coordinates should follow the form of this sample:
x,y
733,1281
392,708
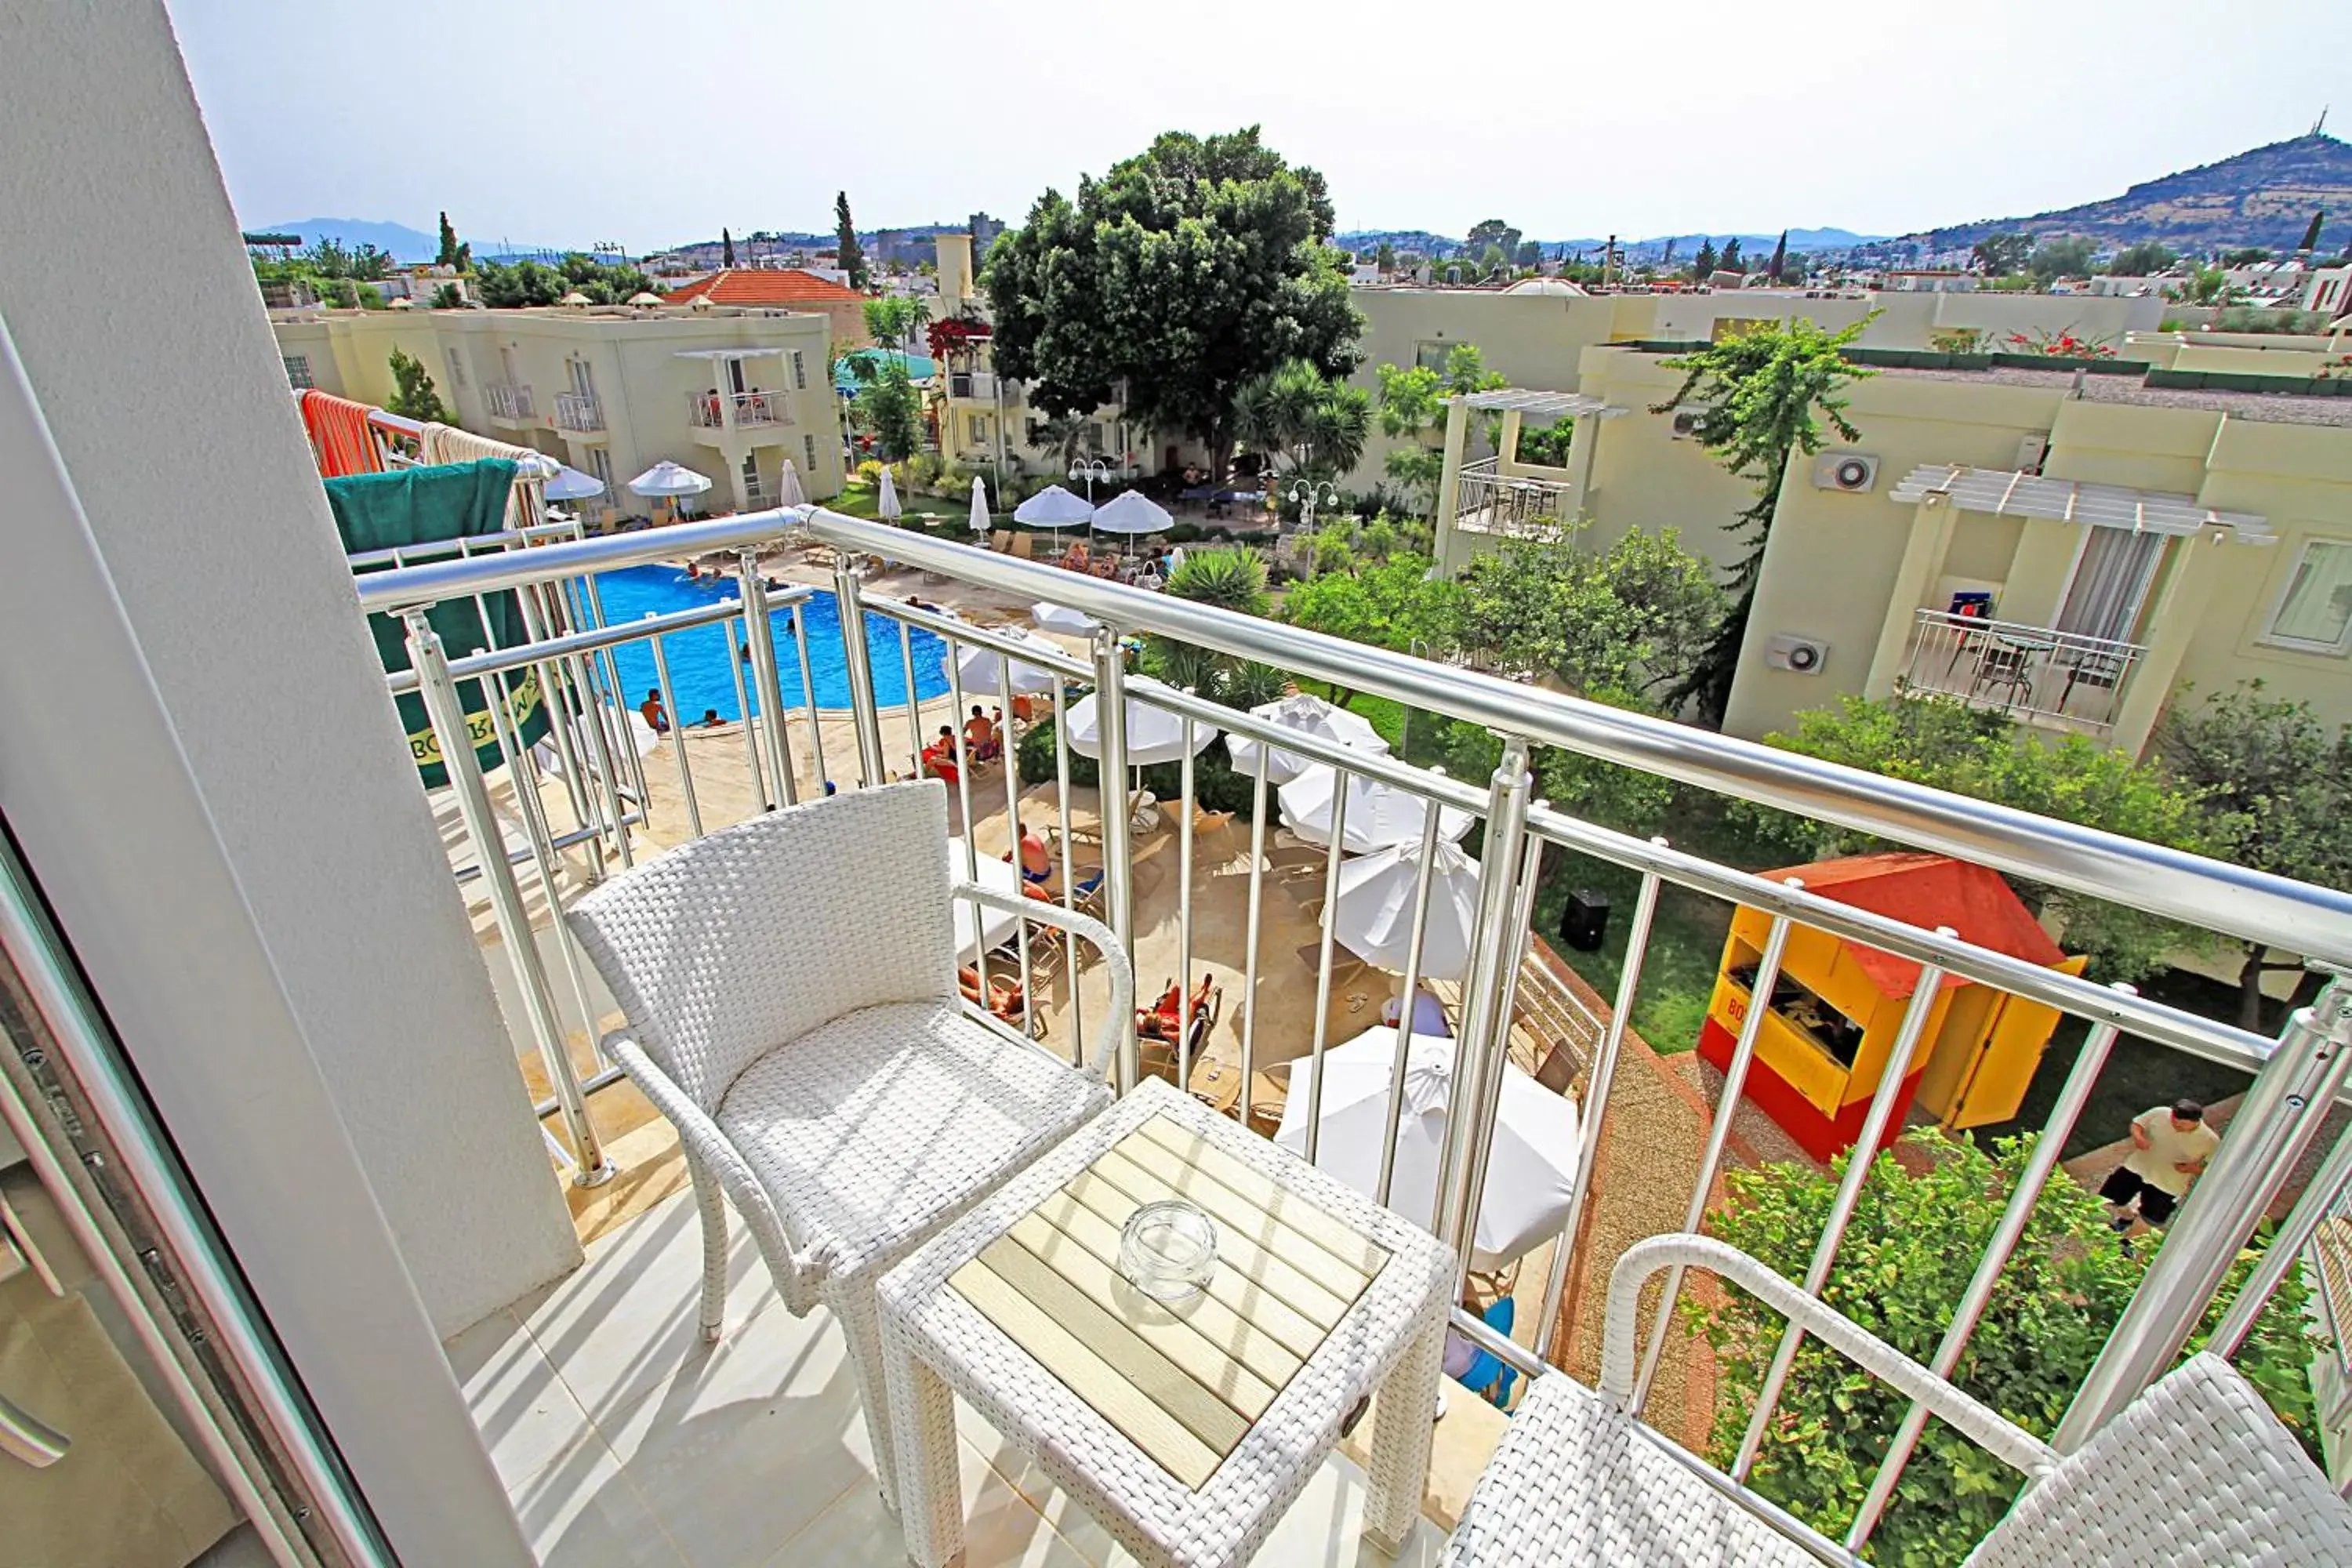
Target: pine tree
x,y
1780,256
1731,260
2311,235
449,256
1703,264
853,256
726,249
1666,257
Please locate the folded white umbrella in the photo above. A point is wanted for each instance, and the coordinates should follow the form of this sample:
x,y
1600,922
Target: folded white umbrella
x,y
1061,618
1373,915
1052,506
1379,814
1131,511
668,478
570,484
1530,1174
980,670
1153,734
993,925
789,489
886,503
980,523
1309,715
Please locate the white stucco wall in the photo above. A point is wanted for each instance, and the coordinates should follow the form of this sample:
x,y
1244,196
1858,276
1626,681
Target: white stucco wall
x,y
168,403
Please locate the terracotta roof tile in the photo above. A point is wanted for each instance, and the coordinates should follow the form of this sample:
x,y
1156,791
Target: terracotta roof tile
x,y
773,288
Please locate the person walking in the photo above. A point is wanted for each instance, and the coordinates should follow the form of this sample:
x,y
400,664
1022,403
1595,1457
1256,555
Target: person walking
x,y
2171,1145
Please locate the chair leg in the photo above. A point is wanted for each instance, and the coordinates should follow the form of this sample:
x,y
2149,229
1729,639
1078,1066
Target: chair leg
x,y
712,1204
922,1420
1402,1435
861,1324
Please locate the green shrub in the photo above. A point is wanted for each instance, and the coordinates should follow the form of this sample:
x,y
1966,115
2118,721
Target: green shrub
x,y
1184,533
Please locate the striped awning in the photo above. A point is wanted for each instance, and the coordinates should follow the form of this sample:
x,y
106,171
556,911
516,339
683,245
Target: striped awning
x,y
2005,494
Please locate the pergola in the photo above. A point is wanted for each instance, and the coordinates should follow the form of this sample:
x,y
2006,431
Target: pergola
x,y
1999,492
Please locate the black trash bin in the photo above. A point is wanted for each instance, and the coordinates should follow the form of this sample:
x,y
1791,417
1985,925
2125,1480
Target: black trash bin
x,y
1584,924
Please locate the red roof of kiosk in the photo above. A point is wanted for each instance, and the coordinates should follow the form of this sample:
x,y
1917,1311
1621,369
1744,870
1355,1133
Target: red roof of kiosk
x,y
1927,891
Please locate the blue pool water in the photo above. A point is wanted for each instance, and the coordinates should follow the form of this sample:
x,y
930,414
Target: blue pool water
x,y
700,658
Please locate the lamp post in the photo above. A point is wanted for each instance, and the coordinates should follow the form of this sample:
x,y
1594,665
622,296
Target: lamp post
x,y
1090,470
1310,494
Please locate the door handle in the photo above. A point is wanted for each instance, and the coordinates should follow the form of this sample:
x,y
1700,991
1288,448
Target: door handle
x,y
28,1439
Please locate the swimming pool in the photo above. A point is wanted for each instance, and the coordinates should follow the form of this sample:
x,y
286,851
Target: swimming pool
x,y
701,659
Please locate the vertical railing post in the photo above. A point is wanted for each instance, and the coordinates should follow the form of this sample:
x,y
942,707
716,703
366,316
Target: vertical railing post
x,y
850,599
1596,1105
1486,1028
1490,1087
2293,1234
1119,866
2278,1116
448,713
760,636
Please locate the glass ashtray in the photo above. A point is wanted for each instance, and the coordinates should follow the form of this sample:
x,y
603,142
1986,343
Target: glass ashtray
x,y
1168,1251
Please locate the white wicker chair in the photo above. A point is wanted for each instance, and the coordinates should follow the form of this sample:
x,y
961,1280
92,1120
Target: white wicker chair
x,y
2195,1471
789,986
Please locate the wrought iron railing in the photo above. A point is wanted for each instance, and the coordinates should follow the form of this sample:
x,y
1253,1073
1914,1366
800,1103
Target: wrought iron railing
x,y
2028,672
1487,500
578,411
709,410
2295,1077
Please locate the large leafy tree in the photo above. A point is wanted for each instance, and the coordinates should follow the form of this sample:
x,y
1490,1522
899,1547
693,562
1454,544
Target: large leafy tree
x,y
1632,619
1169,282
1999,255
2141,259
2065,256
2274,785
1907,1257
1763,397
891,319
521,283
1948,746
888,406
1393,604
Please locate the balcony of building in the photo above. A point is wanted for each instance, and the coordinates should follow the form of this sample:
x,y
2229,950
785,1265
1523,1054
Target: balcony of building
x,y
1512,505
509,403
623,1436
722,411
2036,675
579,412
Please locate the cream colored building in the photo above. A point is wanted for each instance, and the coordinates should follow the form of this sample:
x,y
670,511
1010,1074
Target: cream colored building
x,y
2068,554
733,394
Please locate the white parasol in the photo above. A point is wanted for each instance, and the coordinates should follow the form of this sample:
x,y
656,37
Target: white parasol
x,y
668,478
790,491
570,484
1379,814
886,502
1153,734
1373,915
980,523
1052,506
976,668
1530,1174
1061,618
1131,511
1309,715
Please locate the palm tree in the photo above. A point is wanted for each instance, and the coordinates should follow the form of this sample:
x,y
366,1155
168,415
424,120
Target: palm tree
x,y
1232,579
1317,425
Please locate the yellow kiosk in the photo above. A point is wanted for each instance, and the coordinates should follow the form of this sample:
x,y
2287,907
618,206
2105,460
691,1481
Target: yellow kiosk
x,y
1838,1005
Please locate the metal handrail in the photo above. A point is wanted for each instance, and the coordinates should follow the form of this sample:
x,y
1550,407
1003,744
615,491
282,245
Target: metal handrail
x,y
2192,889
2296,916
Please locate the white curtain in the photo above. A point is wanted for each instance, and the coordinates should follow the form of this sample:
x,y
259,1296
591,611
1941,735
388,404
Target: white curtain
x,y
2319,604
2111,583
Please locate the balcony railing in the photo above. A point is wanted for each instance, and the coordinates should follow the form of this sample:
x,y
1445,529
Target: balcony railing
x,y
2031,672
1487,500
973,384
578,411
709,410
2296,1077
509,401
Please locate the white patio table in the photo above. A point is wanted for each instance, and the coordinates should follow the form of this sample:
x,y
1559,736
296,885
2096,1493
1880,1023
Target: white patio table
x,y
1187,1430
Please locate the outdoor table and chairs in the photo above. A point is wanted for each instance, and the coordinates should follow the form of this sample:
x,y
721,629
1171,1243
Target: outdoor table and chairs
x,y
1186,1428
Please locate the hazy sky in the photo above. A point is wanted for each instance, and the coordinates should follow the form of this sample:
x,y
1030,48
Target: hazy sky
x,y
572,122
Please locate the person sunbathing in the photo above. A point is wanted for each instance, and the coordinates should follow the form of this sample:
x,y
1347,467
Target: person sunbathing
x,y
1005,998
1163,1020
980,737
939,758
1037,855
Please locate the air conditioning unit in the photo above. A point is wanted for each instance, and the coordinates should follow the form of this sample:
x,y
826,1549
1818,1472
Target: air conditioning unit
x,y
2031,447
1798,655
1687,423
1853,472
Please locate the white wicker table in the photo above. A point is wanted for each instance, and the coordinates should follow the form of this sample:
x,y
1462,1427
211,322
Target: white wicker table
x,y
1188,1431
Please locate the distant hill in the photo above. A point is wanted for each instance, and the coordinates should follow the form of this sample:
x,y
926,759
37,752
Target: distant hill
x,y
397,240
1813,241
2264,197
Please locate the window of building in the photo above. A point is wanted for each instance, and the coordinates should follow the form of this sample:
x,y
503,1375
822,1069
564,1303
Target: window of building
x,y
600,463
456,362
1430,356
808,448
800,372
978,425
2316,611
298,370
751,488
